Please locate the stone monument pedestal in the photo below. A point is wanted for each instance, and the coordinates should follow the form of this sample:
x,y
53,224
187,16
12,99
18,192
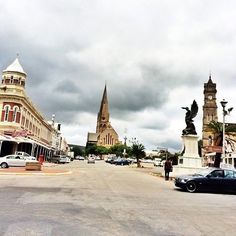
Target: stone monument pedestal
x,y
190,162
190,157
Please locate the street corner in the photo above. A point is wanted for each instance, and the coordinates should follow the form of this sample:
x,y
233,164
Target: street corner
x,y
45,171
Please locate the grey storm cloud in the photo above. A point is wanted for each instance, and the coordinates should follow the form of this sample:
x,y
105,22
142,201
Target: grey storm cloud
x,y
153,55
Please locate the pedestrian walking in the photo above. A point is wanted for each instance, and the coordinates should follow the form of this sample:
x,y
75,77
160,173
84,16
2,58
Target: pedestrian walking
x,y
168,168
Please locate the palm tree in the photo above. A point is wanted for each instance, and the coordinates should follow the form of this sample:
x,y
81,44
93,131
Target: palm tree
x,y
137,150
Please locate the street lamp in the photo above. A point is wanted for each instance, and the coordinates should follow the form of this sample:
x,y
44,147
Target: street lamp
x,y
225,112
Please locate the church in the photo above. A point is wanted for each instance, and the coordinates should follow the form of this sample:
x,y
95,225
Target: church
x,y
105,135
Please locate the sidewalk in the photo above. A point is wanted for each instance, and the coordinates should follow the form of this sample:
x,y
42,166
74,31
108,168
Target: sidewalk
x,y
47,169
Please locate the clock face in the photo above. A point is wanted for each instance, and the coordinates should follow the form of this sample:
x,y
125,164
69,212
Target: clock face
x,y
210,97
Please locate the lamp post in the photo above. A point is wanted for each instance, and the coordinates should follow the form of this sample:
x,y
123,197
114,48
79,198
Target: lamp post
x,y
225,112
223,104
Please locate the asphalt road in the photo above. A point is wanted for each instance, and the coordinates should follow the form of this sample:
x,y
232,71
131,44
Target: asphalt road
x,y
102,199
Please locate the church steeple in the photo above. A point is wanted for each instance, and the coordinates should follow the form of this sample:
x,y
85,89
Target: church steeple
x,y
103,114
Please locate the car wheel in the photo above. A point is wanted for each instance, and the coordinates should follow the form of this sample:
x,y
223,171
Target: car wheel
x,y
4,165
191,186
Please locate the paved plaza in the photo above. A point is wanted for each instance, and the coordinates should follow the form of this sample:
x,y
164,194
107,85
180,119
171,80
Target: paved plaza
x,y
103,199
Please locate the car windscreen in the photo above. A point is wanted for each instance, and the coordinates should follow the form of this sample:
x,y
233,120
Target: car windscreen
x,y
204,172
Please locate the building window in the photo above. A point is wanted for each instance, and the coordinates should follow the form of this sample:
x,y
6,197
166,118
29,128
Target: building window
x,y
7,110
26,124
23,121
15,110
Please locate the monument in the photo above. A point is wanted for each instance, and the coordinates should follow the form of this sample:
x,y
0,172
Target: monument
x,y
190,154
189,161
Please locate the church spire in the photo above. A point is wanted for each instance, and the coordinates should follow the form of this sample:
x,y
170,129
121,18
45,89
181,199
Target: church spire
x,y
103,114
104,101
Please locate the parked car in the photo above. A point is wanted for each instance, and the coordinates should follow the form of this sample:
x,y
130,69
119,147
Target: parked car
x,y
26,155
157,162
91,159
80,158
68,159
110,160
14,160
210,179
121,161
59,159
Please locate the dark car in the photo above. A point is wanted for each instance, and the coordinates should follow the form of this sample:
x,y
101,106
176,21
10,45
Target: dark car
x,y
121,161
210,179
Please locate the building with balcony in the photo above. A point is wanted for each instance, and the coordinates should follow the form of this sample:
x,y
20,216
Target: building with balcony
x,y
22,126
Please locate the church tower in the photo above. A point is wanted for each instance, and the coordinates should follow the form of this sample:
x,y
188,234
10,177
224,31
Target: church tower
x,y
209,112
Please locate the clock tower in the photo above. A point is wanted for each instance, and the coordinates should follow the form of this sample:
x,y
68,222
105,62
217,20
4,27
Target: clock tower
x,y
209,112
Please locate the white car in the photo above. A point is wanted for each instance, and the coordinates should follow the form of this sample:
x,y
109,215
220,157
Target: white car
x,y
67,160
25,155
91,159
14,160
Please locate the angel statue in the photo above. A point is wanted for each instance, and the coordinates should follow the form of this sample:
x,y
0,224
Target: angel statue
x,y
190,114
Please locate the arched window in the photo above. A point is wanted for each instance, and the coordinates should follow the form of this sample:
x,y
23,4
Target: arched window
x,y
15,110
7,109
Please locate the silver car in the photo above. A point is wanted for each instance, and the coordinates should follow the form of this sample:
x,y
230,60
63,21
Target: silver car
x,y
14,160
91,160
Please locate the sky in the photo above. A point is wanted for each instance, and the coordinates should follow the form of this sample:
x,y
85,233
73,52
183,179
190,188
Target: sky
x,y
153,55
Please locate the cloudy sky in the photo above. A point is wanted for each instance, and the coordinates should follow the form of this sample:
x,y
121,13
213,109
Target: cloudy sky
x,y
154,56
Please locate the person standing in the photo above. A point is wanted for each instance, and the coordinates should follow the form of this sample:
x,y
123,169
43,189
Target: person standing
x,y
168,168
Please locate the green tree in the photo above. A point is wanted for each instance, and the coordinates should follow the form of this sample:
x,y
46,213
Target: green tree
x,y
90,149
100,150
78,150
137,150
118,149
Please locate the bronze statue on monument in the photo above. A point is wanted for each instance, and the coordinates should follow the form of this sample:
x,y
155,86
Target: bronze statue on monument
x,y
190,114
